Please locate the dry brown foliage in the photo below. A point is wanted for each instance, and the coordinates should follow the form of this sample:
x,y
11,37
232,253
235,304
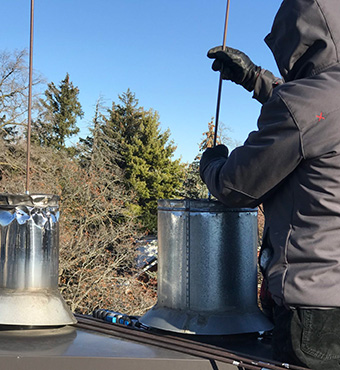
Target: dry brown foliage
x,y
14,90
97,231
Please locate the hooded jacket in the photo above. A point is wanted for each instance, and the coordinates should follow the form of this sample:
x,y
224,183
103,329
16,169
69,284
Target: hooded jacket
x,y
291,164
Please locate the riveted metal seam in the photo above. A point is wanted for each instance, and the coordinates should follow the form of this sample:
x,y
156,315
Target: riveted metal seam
x,y
187,230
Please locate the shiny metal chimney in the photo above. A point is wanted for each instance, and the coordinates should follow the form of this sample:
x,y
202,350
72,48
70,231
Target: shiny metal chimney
x,y
29,251
207,270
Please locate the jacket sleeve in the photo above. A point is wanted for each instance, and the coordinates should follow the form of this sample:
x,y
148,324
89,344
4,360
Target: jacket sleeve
x,y
264,86
254,170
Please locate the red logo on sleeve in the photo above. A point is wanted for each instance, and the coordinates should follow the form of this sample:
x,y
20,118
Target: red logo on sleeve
x,y
320,117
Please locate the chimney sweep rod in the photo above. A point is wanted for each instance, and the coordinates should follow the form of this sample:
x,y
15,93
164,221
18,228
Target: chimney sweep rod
x,y
28,154
220,81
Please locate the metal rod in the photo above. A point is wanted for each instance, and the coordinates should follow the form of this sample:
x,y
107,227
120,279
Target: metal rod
x,y
220,82
190,343
28,154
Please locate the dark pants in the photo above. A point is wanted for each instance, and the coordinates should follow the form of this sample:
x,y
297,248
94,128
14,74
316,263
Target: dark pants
x,y
307,337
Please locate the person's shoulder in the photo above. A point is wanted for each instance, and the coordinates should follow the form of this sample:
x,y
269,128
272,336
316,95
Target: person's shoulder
x,y
311,99
318,87
276,111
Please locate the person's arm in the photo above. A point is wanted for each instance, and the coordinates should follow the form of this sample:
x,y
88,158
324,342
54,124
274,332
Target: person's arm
x,y
251,172
236,66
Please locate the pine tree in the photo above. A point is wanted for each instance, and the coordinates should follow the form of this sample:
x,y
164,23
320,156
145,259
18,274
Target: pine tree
x,y
193,186
208,138
99,149
144,153
58,115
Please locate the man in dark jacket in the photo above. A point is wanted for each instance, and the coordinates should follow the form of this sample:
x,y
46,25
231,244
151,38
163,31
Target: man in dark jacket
x,y
291,165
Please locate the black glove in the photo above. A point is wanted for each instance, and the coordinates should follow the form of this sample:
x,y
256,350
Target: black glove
x,y
211,154
235,66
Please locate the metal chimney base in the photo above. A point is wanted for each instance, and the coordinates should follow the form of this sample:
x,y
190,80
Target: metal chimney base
x,y
200,323
34,308
207,270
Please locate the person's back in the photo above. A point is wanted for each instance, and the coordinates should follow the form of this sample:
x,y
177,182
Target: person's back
x,y
303,214
292,166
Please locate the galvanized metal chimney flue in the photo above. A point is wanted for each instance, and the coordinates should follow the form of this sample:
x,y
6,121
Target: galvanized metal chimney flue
x,y
29,252
207,270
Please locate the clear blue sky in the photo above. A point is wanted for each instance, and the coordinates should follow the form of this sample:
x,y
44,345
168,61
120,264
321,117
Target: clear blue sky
x,y
156,48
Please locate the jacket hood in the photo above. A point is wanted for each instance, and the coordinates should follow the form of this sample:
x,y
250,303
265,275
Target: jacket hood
x,y
305,37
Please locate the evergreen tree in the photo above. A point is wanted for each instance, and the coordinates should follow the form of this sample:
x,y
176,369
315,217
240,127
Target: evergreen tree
x,y
193,186
144,153
208,139
58,115
100,148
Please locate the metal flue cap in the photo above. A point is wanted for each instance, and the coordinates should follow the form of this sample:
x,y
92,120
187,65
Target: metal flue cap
x,y
29,200
207,270
29,258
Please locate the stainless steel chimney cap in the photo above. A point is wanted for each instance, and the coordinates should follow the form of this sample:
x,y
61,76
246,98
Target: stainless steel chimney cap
x,y
207,269
29,261
32,200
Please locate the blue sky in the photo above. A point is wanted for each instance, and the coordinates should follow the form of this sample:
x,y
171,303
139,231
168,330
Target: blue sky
x,y
155,48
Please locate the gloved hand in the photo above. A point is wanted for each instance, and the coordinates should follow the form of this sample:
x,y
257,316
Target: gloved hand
x,y
211,154
235,66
